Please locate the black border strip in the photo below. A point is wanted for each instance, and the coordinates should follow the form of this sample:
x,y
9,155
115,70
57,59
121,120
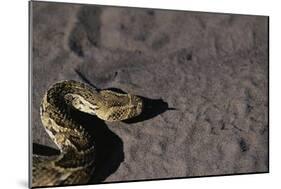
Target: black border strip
x,y
268,94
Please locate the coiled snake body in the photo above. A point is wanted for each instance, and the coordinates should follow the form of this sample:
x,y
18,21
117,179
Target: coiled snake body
x,y
76,162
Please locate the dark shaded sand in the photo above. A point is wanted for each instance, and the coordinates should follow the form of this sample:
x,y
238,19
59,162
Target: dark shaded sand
x,y
212,68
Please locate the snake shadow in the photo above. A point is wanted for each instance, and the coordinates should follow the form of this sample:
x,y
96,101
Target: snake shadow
x,y
151,108
109,146
42,150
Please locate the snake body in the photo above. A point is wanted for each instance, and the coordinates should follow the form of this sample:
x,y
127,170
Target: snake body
x,y
76,161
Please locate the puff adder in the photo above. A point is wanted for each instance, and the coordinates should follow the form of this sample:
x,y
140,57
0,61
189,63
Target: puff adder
x,y
76,161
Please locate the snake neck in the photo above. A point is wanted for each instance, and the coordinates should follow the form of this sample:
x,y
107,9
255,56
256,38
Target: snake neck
x,y
56,114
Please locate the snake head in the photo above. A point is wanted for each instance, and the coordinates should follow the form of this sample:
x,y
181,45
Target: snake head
x,y
80,103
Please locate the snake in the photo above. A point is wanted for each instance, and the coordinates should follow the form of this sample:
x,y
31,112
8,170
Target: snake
x,y
75,164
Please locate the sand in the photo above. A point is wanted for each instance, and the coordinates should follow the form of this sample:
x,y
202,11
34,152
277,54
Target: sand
x,y
211,68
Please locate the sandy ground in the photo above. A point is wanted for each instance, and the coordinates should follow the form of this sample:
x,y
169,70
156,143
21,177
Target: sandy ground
x,y
212,68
